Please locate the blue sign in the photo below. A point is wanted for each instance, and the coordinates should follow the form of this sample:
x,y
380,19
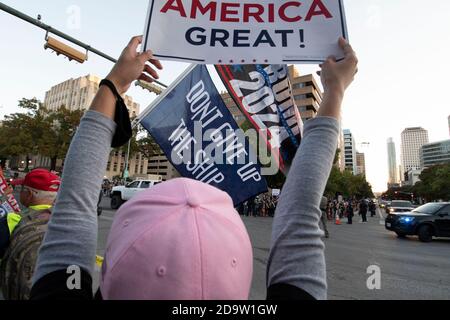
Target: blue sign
x,y
199,136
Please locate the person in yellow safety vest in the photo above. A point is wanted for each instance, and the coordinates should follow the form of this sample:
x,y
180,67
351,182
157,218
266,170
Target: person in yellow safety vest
x,y
38,193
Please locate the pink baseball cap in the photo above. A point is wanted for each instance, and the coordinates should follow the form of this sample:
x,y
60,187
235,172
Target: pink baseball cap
x,y
179,240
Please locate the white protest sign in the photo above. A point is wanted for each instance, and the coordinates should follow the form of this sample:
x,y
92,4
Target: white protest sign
x,y
245,31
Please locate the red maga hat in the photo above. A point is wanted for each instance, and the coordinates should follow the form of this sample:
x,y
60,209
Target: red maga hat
x,y
40,179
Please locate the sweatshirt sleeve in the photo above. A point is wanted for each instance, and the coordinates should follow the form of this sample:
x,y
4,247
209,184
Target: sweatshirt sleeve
x,y
71,238
297,252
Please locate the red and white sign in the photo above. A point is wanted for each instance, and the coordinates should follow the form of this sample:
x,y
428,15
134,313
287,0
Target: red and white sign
x,y
7,201
245,31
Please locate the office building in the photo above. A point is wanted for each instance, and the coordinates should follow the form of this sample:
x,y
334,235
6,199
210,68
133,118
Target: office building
x,y
159,165
412,140
360,164
77,94
116,165
435,153
412,176
392,162
306,92
350,152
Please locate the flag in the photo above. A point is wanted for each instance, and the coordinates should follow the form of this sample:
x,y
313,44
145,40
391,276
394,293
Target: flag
x,y
7,201
198,134
264,95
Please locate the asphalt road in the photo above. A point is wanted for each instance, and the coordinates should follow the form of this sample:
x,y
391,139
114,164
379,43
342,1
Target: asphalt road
x,y
409,268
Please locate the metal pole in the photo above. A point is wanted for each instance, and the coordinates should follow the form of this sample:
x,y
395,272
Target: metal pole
x,y
127,159
50,29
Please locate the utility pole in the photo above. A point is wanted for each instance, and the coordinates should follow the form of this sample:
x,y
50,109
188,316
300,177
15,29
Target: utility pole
x,y
155,89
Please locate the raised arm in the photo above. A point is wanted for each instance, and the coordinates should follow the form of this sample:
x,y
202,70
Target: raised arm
x,y
71,238
296,266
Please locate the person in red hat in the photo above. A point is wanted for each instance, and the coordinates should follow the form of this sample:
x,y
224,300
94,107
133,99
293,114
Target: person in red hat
x,y
38,193
21,233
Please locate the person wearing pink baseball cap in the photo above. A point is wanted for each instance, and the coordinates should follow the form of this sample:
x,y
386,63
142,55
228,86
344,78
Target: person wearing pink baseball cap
x,y
182,239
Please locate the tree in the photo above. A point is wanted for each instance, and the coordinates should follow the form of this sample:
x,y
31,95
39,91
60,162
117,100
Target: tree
x,y
346,183
434,183
39,131
145,143
55,140
20,131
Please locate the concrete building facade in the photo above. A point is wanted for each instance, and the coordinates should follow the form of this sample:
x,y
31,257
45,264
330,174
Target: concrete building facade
x,y
161,166
350,152
306,92
412,177
435,153
360,164
412,140
116,165
77,94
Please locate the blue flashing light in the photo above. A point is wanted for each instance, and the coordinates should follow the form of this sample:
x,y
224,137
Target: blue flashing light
x,y
407,219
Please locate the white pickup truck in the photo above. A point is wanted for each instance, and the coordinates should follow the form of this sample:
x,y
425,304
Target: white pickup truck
x,y
120,194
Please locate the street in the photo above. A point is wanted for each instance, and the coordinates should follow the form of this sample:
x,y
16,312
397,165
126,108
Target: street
x,y
409,268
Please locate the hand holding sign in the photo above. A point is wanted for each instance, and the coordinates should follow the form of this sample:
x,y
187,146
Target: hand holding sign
x,y
337,76
132,66
245,31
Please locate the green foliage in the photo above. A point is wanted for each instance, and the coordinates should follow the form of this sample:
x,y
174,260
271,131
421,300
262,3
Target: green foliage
x,y
347,184
38,131
147,145
435,183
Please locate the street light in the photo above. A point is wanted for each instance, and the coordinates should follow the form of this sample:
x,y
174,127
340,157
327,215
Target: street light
x,y
366,144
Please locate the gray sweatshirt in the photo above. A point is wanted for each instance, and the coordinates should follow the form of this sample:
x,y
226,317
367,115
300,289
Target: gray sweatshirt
x,y
297,251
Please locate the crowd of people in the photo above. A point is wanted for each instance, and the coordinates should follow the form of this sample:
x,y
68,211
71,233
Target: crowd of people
x,y
349,207
260,206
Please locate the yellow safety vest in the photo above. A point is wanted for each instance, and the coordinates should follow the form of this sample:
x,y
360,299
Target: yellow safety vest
x,y
13,219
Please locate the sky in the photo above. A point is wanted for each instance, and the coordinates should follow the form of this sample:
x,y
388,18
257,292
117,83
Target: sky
x,y
403,48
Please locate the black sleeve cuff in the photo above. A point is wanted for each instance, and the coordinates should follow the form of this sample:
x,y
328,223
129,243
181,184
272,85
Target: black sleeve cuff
x,y
283,291
54,286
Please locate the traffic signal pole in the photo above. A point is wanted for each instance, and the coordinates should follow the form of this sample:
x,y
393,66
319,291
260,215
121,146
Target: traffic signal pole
x,y
58,33
88,48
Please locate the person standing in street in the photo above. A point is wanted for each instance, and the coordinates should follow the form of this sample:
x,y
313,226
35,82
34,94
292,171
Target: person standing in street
x,y
350,212
372,209
363,210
